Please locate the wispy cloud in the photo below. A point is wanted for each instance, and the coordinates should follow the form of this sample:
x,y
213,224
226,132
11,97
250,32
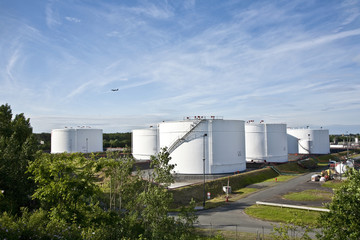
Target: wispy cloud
x,y
52,18
11,64
237,58
73,19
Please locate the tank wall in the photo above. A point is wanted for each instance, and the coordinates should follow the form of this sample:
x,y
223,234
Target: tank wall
x,y
63,140
224,146
76,140
227,140
188,157
144,143
89,140
293,145
267,142
314,140
255,142
321,142
276,143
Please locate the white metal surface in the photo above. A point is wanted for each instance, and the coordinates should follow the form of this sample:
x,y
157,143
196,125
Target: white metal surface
x,y
308,141
144,143
266,142
72,140
223,145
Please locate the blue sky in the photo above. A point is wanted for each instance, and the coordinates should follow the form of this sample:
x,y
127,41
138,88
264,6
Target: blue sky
x,y
294,62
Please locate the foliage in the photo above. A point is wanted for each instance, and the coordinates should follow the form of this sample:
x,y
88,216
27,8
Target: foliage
x,y
66,186
71,198
162,168
17,149
342,222
121,183
116,140
153,204
44,141
295,229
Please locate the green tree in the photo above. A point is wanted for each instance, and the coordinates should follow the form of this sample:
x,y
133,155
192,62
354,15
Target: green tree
x,y
122,184
343,220
66,186
153,204
17,148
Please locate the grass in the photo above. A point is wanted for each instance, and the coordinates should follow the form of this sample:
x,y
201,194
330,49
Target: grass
x,y
291,167
309,195
234,196
285,215
221,200
207,233
334,184
281,178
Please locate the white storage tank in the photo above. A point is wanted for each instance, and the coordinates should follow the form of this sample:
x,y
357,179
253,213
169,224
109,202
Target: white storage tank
x,y
308,141
71,140
220,142
144,143
266,142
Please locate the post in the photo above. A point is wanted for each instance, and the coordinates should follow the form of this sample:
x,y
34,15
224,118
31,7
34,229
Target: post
x,y
204,168
347,145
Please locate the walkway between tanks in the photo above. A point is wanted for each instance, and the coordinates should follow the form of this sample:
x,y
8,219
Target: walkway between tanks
x,y
231,216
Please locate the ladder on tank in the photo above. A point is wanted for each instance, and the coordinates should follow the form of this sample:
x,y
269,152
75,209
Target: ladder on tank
x,y
181,140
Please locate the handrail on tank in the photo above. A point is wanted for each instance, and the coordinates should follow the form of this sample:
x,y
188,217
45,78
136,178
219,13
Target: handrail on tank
x,y
180,140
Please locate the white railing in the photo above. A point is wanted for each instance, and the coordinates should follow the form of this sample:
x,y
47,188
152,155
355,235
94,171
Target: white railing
x,y
293,206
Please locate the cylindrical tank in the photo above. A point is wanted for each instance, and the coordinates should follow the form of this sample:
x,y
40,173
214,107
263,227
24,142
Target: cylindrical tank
x,y
266,142
63,140
144,143
308,141
89,140
217,144
76,140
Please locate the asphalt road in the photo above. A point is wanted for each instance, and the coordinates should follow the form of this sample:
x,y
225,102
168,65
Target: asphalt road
x,y
233,217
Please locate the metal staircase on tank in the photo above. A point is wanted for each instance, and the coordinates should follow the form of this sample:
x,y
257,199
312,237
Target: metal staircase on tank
x,y
181,140
308,150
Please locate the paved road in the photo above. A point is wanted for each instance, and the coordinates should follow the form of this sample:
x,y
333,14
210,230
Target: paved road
x,y
232,216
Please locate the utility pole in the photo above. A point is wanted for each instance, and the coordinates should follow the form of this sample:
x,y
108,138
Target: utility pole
x,y
204,167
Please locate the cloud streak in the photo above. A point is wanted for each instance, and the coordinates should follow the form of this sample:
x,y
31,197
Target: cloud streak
x,y
239,59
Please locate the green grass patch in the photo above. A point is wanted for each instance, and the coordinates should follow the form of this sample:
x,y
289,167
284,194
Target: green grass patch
x,y
281,178
309,195
334,184
285,215
324,158
291,167
234,196
221,199
213,233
